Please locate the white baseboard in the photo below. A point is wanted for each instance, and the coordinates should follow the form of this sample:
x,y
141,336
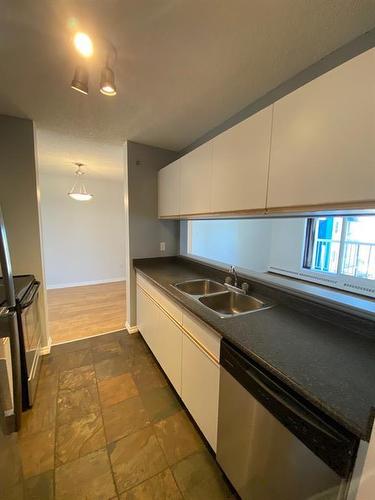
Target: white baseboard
x,y
131,329
88,337
85,283
47,348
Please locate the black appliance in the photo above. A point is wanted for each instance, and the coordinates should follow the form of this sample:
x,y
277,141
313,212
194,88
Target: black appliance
x,y
26,289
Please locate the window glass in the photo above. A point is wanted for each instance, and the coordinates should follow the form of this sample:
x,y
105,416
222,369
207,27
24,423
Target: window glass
x,y
326,243
333,251
359,247
341,245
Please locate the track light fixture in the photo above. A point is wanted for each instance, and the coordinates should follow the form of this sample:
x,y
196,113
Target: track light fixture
x,y
80,80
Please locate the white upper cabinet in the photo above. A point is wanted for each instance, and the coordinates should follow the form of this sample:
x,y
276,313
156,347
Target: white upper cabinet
x,y
169,190
196,177
240,165
323,139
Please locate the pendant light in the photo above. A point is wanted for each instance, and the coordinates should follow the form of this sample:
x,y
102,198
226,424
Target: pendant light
x,y
78,191
80,80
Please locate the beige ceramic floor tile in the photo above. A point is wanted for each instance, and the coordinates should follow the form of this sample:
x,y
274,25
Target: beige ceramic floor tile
x,y
123,418
106,349
88,478
199,478
135,458
160,487
147,374
160,403
40,417
69,360
77,377
72,405
116,389
40,487
37,452
112,366
79,437
178,437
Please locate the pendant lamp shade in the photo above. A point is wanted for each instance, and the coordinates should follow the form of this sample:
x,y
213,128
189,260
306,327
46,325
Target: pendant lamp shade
x,y
78,191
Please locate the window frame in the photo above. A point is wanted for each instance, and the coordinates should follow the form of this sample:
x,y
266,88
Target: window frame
x,y
338,280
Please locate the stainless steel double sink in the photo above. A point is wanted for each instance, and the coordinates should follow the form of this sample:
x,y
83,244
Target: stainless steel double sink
x,y
220,300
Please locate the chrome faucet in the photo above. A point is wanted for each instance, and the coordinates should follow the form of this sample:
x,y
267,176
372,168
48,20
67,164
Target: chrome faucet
x,y
234,272
228,282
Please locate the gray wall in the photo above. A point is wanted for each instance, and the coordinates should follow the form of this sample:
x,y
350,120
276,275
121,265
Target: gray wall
x,y
144,230
19,198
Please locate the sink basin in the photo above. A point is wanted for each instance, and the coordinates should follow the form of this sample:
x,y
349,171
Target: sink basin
x,y
200,287
233,304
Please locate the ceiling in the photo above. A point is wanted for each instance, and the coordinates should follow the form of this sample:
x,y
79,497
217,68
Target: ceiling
x,y
58,152
183,66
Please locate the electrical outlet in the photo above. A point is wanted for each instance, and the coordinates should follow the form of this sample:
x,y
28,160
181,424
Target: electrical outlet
x,y
162,246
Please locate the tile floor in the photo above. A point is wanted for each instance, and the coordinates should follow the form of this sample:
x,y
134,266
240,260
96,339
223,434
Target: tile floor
x,y
106,424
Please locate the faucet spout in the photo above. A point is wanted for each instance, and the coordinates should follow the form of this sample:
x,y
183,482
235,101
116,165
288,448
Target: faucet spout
x,y
234,272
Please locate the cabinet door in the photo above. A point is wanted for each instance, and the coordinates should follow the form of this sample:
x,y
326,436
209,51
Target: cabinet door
x,y
162,335
169,349
146,318
200,388
323,139
196,176
240,159
169,190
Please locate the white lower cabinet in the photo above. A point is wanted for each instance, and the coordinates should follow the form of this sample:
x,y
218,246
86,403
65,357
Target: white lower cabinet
x,y
200,388
187,351
162,335
169,349
146,318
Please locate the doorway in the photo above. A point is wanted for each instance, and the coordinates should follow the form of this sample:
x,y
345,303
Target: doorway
x,y
83,241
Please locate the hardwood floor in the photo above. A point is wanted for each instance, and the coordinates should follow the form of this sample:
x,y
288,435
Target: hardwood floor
x,y
84,311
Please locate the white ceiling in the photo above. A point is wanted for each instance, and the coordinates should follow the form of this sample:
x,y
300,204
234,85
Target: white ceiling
x,y
183,66
57,152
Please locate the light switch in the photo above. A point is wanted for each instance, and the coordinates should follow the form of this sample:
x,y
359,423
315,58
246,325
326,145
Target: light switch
x,y
162,246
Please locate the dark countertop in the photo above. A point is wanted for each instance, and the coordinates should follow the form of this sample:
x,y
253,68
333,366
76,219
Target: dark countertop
x,y
330,366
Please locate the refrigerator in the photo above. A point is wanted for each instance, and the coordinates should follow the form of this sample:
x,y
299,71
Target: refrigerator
x,y
11,477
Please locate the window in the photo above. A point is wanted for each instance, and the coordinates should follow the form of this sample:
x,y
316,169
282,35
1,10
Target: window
x,y
341,245
338,252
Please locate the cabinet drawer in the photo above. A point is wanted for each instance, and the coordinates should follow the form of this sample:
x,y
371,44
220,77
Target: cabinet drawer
x,y
173,309
207,338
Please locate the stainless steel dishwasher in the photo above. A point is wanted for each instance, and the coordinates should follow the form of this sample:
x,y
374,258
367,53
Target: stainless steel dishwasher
x,y
271,444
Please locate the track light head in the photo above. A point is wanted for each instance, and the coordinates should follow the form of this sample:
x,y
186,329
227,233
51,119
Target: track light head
x,y
80,80
107,82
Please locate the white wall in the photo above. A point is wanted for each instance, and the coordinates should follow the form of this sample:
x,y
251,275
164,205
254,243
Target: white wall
x,y
255,244
243,243
287,242
84,242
